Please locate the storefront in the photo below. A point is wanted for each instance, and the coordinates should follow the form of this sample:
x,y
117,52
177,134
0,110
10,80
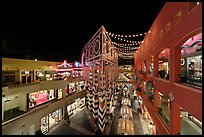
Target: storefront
x,y
26,77
40,97
191,61
75,106
49,75
59,93
50,121
75,87
68,70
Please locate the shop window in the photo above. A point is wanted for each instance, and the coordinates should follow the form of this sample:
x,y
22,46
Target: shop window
x,y
167,27
191,66
44,125
192,5
59,94
177,18
54,118
37,98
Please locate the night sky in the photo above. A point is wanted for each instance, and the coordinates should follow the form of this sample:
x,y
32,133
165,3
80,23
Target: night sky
x,y
58,30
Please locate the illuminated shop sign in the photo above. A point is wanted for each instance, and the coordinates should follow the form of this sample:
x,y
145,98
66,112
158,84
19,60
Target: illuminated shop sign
x,y
41,97
68,66
65,65
77,64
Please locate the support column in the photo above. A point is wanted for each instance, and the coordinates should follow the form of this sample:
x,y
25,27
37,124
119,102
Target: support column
x,y
66,116
156,65
102,110
175,119
95,102
156,100
142,92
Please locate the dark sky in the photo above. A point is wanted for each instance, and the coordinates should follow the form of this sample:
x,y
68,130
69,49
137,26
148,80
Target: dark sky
x,y
58,30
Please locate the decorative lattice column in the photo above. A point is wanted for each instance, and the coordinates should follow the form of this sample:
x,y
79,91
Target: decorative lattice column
x,y
100,63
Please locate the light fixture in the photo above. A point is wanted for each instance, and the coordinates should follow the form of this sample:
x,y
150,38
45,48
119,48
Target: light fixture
x,y
40,74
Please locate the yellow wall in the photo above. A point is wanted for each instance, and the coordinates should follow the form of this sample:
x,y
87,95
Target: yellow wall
x,y
25,64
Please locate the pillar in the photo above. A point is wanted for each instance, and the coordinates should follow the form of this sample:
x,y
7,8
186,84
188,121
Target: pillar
x,y
156,65
175,64
175,119
156,100
66,116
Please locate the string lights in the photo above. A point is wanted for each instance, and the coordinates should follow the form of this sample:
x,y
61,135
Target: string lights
x,y
128,48
119,44
126,36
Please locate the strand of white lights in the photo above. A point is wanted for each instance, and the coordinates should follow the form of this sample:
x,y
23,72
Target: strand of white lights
x,y
124,46
126,57
126,53
129,41
132,44
127,36
126,49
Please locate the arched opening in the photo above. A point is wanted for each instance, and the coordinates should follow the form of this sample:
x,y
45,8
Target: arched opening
x,y
151,65
191,61
164,108
149,90
164,59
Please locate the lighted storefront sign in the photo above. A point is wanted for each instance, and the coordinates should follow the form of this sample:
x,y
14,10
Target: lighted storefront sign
x,y
40,98
66,70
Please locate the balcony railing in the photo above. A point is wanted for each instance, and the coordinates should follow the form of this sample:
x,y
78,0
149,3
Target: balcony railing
x,y
191,80
163,117
20,114
16,84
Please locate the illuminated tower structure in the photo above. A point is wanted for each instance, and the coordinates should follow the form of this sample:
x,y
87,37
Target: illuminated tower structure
x,y
100,66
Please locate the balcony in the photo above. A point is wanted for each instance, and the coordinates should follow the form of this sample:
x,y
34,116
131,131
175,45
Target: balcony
x,y
191,80
55,104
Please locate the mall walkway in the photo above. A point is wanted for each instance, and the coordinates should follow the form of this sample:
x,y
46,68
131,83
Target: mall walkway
x,y
80,125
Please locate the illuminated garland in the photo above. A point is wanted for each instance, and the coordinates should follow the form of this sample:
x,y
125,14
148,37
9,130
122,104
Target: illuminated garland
x,y
126,36
119,44
126,49
126,57
130,41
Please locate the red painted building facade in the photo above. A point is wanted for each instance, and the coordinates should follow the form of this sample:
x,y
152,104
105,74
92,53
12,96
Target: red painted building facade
x,y
174,26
